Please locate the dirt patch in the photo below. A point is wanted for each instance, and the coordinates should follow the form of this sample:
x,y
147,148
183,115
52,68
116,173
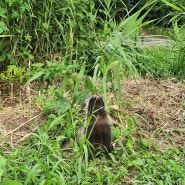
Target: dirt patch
x,y
18,115
161,105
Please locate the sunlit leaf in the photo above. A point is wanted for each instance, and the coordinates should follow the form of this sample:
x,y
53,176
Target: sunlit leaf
x,y
10,182
2,165
36,76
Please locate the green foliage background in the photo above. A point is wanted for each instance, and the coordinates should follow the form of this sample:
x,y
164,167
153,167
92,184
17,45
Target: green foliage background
x,y
161,13
44,28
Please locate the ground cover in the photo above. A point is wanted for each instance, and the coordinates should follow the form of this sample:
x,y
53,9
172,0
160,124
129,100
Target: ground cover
x,y
149,125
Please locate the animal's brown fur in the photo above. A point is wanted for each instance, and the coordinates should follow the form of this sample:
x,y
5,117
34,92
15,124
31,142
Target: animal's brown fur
x,y
99,127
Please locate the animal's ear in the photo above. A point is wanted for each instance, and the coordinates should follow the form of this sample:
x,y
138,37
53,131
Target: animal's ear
x,y
91,104
100,100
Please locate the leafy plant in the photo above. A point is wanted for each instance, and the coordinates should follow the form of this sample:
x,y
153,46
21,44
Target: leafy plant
x,y
14,74
50,72
3,26
120,51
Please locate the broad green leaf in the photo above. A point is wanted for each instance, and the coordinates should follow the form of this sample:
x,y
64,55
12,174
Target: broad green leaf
x,y
55,122
145,142
36,76
2,12
138,162
3,27
59,105
80,96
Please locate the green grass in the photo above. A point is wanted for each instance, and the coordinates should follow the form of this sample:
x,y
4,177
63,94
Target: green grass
x,y
43,160
155,62
164,62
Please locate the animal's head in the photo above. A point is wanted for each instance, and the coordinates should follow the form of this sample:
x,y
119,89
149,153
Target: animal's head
x,y
94,104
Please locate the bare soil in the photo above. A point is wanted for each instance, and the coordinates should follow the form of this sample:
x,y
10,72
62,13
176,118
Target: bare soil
x,y
19,116
158,107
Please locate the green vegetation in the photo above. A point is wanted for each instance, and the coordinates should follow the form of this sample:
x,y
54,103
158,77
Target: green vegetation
x,y
68,50
165,62
43,161
161,13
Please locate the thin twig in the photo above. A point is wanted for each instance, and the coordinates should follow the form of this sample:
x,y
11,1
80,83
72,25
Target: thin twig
x,y
25,137
17,128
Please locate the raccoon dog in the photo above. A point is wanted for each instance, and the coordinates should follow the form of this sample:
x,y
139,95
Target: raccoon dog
x,y
98,124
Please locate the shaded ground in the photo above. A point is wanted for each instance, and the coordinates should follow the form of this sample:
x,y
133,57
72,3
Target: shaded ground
x,y
158,107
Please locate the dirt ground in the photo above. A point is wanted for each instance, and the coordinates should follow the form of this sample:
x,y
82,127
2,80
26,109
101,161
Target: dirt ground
x,y
18,115
158,107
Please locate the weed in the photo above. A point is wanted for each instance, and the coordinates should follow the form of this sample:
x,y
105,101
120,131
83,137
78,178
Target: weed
x,y
50,72
14,74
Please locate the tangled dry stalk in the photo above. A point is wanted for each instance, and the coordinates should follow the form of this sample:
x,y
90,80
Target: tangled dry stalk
x,y
18,116
162,107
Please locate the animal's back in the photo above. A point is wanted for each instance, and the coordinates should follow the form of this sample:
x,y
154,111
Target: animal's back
x,y
99,132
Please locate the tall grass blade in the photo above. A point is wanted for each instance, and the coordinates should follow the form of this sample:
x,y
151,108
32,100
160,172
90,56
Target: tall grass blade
x,y
79,172
118,80
64,84
95,75
172,5
79,78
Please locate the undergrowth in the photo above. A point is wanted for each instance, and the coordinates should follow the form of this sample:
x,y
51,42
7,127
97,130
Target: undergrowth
x,y
44,158
165,62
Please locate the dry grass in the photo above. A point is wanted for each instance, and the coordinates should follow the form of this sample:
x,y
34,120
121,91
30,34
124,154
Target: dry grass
x,y
162,107
18,116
